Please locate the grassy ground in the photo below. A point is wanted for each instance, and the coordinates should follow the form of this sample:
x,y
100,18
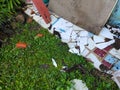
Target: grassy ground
x,y
32,68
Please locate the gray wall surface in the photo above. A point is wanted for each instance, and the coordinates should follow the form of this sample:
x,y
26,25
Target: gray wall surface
x,y
88,14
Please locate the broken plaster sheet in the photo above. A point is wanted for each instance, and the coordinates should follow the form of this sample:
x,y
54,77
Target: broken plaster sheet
x,y
65,37
65,29
82,44
75,51
95,60
79,50
98,39
71,44
65,25
83,33
73,36
69,34
91,44
85,52
82,48
105,32
115,53
105,44
82,40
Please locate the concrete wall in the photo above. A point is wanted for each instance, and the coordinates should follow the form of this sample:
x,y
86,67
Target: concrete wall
x,y
88,14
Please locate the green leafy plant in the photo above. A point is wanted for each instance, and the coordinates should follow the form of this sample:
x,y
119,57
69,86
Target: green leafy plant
x,y
7,9
32,68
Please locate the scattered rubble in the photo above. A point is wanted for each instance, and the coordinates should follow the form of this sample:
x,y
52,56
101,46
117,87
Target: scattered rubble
x,y
103,49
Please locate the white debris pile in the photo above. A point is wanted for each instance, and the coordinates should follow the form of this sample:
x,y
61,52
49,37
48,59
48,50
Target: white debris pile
x,y
98,48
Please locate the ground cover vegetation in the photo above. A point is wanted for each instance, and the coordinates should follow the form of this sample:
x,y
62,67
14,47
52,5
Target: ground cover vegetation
x,y
31,68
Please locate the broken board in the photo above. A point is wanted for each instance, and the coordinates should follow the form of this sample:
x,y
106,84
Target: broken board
x,y
43,10
88,14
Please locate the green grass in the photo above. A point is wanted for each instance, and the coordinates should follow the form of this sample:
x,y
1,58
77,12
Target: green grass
x,y
32,68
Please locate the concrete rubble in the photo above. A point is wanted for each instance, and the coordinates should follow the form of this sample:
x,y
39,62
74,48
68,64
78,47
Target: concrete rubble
x,y
98,48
